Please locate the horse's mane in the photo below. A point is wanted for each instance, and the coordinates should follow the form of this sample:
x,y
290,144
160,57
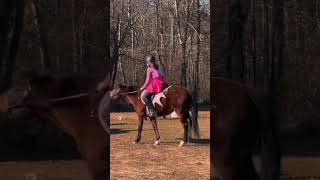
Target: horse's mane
x,y
41,79
132,88
129,87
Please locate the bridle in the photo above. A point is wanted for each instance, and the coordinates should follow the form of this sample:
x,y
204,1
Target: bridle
x,y
51,101
23,103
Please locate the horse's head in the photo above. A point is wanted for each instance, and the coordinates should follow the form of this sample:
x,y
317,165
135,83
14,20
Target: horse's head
x,y
3,106
105,84
39,88
120,91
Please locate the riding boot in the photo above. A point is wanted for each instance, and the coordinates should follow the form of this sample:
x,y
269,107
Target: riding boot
x,y
152,110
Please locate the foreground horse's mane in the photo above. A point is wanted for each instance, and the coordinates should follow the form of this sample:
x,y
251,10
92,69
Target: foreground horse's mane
x,y
32,74
230,81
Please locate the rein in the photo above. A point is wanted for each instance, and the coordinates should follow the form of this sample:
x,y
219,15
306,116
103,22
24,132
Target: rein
x,y
68,97
132,92
55,100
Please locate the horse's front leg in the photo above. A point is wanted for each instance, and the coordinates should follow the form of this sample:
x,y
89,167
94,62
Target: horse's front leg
x,y
140,126
155,128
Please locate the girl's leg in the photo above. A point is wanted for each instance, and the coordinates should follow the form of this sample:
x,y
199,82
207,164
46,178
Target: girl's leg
x,y
146,99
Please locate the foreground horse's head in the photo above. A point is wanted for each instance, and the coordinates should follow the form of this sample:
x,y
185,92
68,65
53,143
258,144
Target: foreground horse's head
x,y
3,106
121,90
40,88
36,93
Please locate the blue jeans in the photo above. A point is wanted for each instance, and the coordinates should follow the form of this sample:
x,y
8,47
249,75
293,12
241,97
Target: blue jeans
x,y
146,97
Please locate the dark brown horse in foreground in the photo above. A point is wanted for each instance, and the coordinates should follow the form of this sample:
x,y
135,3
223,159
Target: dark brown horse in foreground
x,y
176,99
74,105
241,121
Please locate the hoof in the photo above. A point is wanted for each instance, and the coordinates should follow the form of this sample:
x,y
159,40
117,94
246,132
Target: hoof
x,y
157,142
181,143
136,142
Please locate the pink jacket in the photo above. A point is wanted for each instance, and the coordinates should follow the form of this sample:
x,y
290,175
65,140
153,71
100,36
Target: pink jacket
x,y
154,81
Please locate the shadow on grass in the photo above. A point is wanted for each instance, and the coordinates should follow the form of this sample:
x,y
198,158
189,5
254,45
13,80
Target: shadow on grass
x,y
300,141
201,141
197,141
118,131
118,124
121,131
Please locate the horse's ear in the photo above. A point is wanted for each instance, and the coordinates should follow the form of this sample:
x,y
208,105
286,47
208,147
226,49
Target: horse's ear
x,y
105,84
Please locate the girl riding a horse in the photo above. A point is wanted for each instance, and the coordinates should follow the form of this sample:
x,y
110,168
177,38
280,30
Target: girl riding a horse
x,y
153,84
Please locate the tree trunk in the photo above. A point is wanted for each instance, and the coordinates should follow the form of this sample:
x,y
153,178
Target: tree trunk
x,y
75,38
254,43
196,68
237,21
39,20
9,39
277,41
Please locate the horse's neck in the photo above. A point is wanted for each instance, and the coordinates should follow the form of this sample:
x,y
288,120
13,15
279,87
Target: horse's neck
x,y
131,98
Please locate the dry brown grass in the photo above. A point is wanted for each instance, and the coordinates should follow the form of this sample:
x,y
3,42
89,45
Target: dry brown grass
x,y
302,168
44,170
167,161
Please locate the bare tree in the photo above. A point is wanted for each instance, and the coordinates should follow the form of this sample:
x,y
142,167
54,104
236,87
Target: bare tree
x,y
11,26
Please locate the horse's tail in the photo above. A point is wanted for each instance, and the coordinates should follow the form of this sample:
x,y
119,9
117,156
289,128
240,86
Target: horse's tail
x,y
269,143
193,121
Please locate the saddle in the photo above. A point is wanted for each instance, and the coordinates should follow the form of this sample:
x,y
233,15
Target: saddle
x,y
156,98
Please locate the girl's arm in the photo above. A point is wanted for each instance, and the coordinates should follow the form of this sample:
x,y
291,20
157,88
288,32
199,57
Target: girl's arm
x,y
148,79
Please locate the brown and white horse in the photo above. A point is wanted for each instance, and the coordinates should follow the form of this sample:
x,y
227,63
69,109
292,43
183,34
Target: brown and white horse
x,y
176,99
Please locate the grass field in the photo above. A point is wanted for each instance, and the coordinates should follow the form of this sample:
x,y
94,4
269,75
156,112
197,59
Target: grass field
x,y
44,170
145,161
167,161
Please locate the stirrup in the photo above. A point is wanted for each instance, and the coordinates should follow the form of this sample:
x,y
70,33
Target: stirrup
x,y
151,113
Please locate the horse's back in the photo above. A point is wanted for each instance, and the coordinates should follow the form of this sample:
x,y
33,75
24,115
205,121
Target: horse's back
x,y
230,96
234,128
235,114
178,98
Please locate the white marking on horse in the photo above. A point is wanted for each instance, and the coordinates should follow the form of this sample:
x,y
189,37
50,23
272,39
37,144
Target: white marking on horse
x,y
157,142
157,97
181,143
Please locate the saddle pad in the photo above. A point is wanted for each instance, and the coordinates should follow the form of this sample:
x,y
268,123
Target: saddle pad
x,y
157,97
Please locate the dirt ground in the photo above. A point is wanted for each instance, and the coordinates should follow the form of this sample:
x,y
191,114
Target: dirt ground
x,y
301,168
144,161
166,161
44,170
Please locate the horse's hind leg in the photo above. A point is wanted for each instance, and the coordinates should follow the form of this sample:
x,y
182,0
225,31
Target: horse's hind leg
x,y
183,120
155,128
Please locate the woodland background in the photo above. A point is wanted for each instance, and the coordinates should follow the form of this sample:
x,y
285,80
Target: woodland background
x,y
176,32
273,46
91,38
63,38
